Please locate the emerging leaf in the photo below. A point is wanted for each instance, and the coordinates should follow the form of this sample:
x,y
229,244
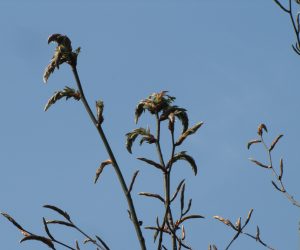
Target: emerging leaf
x,y
188,132
183,156
259,163
66,92
260,129
100,169
225,221
100,108
146,136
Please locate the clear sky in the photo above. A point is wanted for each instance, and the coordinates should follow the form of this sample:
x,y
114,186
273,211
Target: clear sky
x,y
229,63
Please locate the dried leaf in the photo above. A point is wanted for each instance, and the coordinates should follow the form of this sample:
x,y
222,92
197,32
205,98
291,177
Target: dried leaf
x,y
102,242
275,142
11,219
260,129
252,142
183,156
177,190
257,233
188,132
194,216
66,92
281,169
188,207
225,221
157,196
238,224
182,232
58,210
132,181
259,163
152,163
280,190
182,198
60,222
100,169
248,217
77,245
42,239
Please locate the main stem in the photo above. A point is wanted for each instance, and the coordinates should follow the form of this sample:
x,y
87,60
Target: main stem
x,y
113,159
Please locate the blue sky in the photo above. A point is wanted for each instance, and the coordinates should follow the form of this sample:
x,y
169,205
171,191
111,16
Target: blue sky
x,y
230,64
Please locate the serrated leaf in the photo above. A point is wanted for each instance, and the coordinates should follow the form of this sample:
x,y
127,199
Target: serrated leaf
x,y
183,156
275,142
67,92
100,169
58,210
253,142
131,136
188,132
42,239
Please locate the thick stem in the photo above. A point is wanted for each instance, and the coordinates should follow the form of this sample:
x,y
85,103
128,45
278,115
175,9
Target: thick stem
x,y
114,161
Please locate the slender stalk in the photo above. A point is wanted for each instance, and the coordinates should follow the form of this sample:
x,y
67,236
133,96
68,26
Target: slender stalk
x,y
166,188
112,157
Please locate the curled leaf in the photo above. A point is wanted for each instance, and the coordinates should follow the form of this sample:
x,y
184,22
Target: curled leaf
x,y
58,210
63,53
188,132
275,142
100,169
262,127
248,217
42,239
131,136
66,92
253,142
183,156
